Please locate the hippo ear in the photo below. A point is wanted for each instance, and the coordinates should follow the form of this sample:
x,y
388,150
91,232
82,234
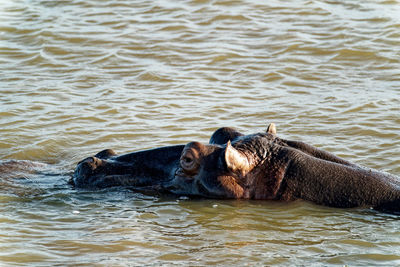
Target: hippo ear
x,y
271,128
235,160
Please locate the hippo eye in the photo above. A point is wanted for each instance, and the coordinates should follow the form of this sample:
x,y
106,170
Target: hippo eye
x,y
188,162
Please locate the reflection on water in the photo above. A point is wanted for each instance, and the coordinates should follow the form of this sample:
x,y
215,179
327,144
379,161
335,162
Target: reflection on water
x,y
81,76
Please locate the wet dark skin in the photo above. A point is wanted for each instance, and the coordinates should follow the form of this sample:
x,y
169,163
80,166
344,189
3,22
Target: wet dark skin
x,y
236,166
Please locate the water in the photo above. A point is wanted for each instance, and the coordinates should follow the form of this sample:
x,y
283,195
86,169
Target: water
x,y
77,77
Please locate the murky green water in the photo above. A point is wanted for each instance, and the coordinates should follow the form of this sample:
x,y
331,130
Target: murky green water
x,y
80,76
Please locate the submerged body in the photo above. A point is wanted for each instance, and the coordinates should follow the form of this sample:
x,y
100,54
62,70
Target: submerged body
x,y
257,166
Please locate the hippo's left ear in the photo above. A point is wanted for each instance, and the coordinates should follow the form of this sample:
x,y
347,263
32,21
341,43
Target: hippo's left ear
x,y
235,160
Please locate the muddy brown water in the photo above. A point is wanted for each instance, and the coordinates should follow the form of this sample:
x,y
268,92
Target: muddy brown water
x,y
80,76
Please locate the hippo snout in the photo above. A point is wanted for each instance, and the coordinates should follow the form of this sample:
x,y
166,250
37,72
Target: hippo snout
x,y
85,170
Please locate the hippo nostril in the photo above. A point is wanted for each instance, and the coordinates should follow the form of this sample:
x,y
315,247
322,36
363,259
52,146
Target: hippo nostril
x,y
90,162
88,166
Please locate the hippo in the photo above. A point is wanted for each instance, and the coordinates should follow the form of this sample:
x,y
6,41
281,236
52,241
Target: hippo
x,y
233,165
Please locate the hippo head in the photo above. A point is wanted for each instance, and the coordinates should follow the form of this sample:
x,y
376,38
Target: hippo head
x,y
231,170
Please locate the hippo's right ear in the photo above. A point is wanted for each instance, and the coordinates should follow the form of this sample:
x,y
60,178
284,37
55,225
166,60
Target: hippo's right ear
x,y
271,128
235,160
